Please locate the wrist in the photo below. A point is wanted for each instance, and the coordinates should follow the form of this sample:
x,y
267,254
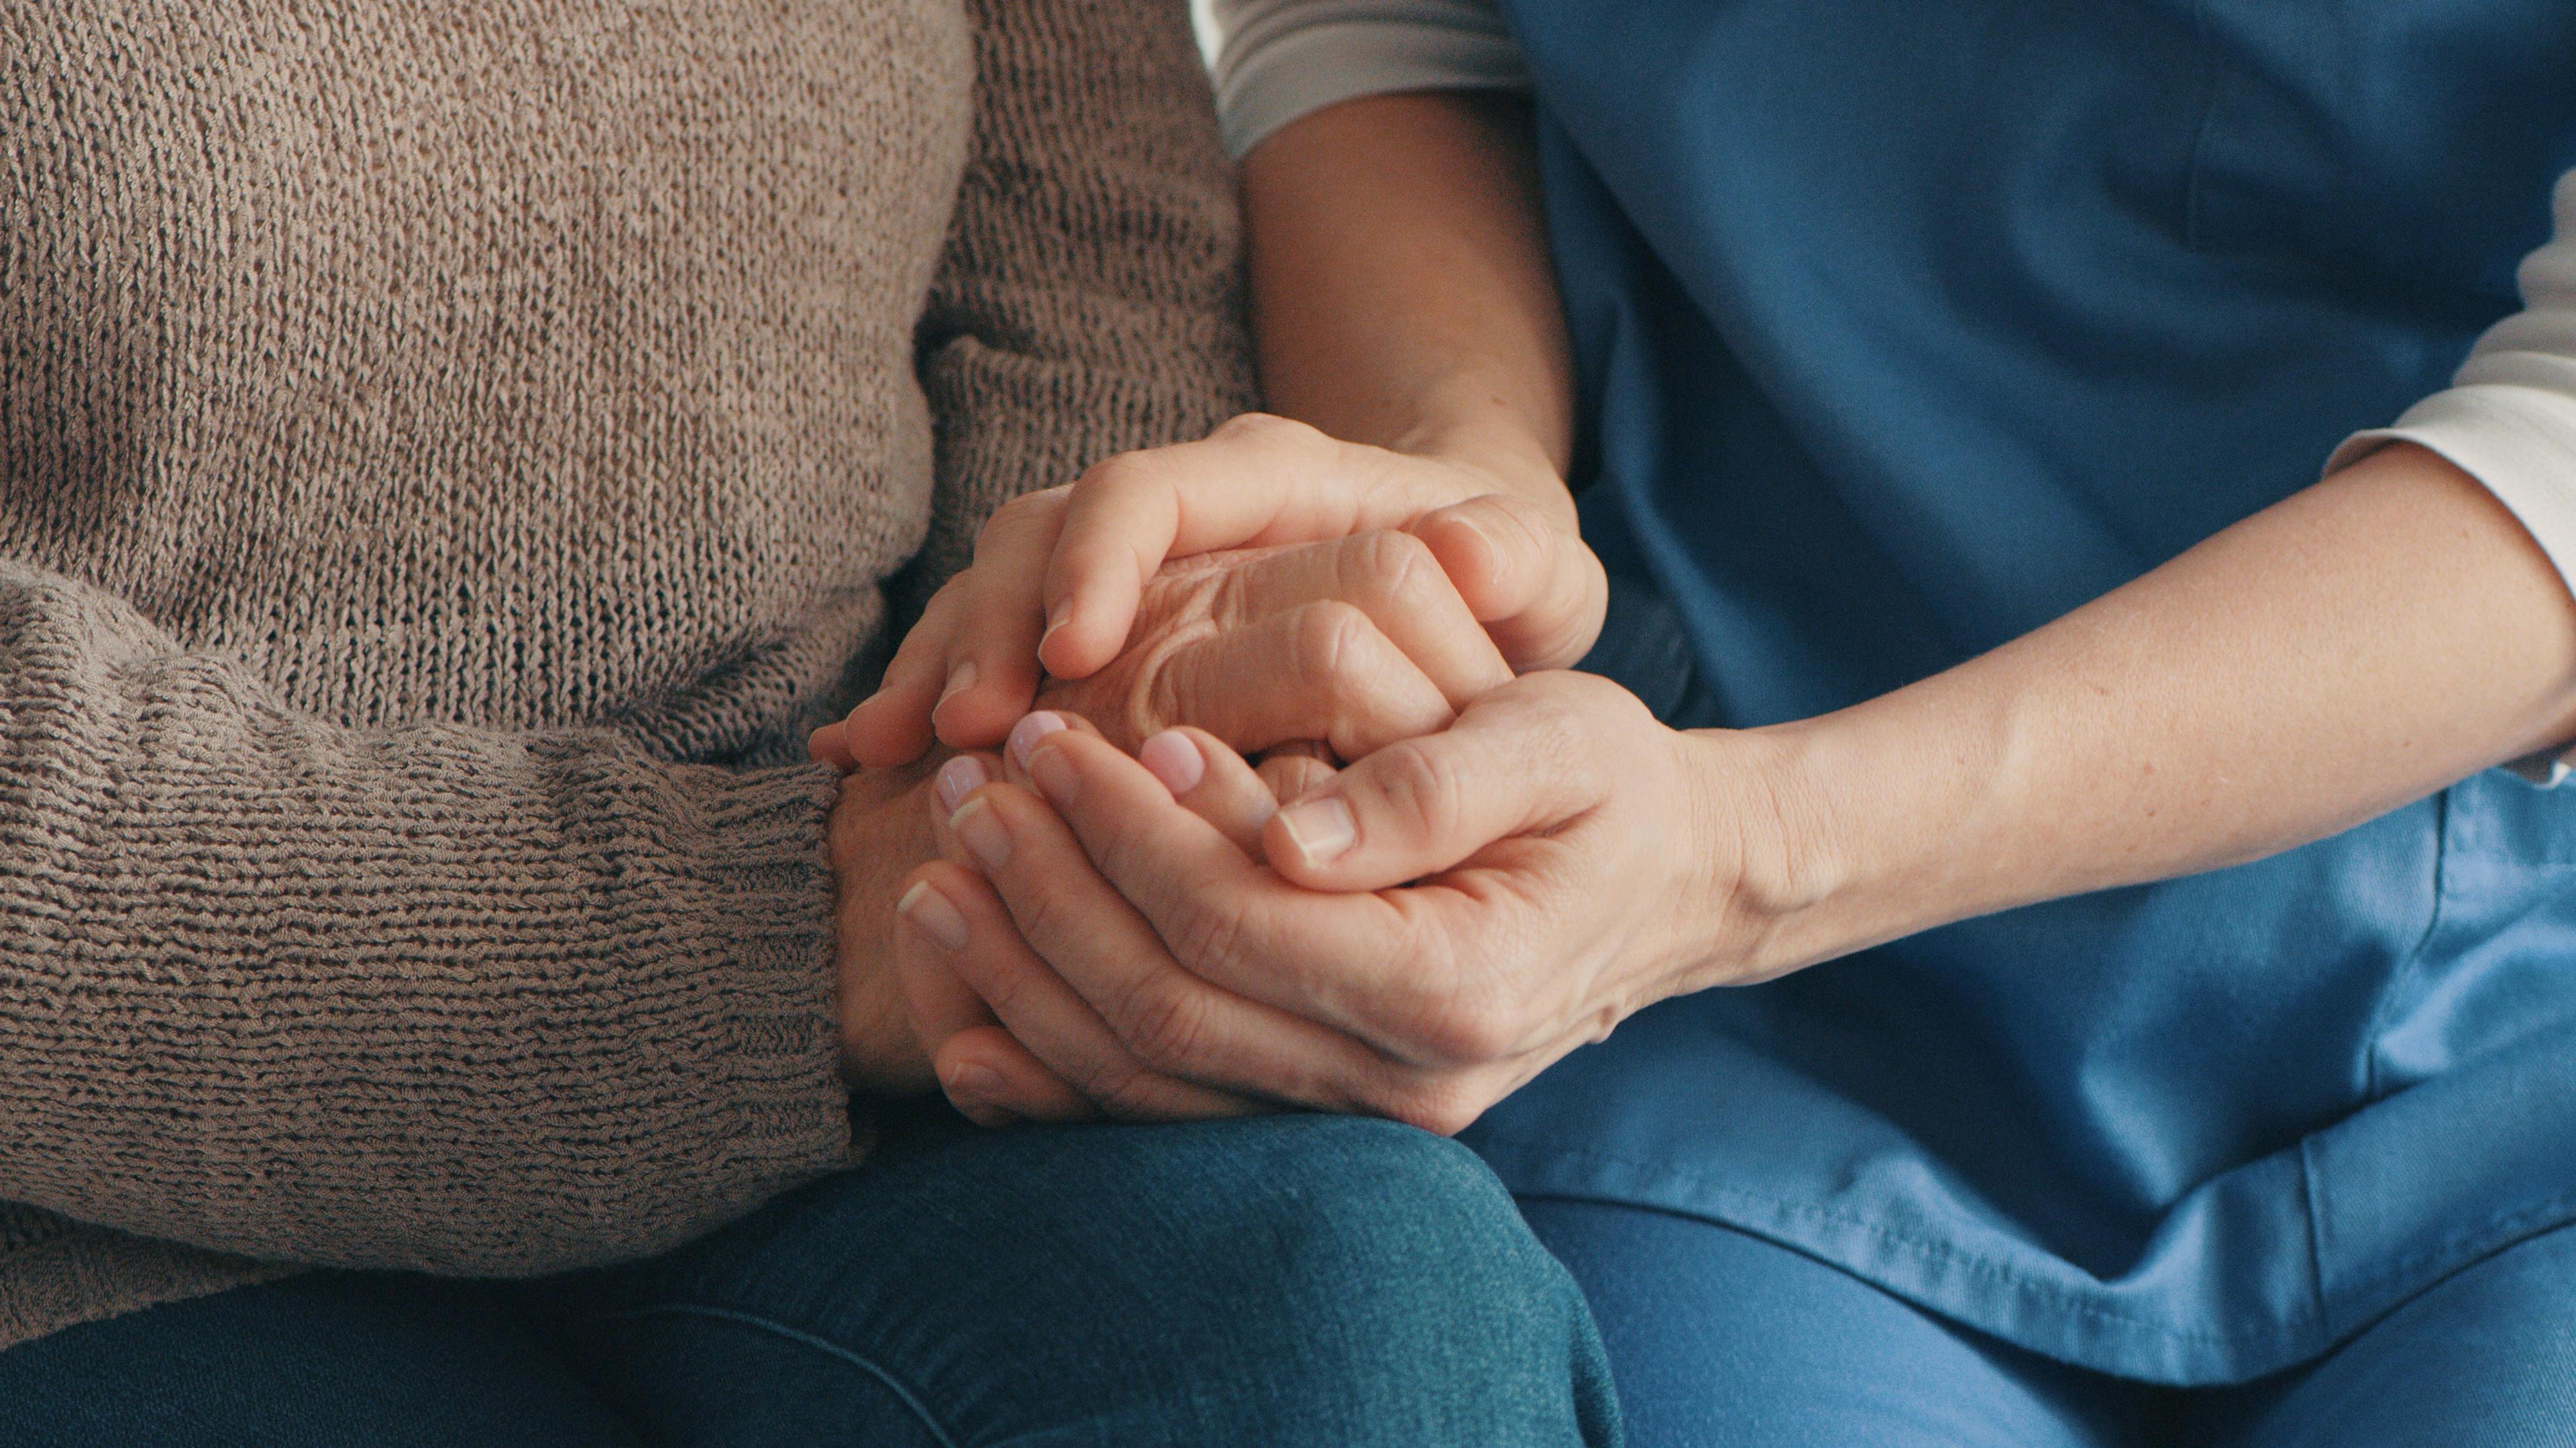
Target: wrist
x,y
1755,855
879,830
1474,429
1838,833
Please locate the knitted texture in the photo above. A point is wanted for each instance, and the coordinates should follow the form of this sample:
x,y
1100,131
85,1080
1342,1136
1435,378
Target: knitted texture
x,y
449,457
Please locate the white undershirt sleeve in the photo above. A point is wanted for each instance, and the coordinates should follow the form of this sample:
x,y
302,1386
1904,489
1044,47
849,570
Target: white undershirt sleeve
x,y
1279,59
2509,417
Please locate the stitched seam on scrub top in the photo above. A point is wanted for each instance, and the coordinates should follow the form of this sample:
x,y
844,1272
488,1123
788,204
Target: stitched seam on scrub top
x,y
2412,960
1919,1246
2208,121
910,1400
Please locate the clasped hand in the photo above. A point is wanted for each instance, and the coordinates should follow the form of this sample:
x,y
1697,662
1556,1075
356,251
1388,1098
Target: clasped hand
x,y
1129,917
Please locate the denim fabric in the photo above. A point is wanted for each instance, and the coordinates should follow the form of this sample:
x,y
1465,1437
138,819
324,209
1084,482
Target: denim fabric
x,y
1295,1280
1292,1280
1719,1339
327,1359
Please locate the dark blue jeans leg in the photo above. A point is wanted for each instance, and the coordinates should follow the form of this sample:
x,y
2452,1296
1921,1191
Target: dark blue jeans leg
x,y
1293,1280
329,1360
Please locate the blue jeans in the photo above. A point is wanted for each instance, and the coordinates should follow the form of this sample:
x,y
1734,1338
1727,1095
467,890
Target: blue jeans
x,y
1294,1280
1723,1340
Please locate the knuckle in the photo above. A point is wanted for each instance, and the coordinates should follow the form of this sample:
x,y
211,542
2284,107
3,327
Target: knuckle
x,y
1162,1023
1328,639
1265,429
1016,517
1125,473
1123,1089
1395,566
1158,692
1471,1029
1418,788
1439,1104
1558,726
1210,935
1044,915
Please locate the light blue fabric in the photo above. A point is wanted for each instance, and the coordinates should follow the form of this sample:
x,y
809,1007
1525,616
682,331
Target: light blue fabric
x,y
1906,328
1719,1339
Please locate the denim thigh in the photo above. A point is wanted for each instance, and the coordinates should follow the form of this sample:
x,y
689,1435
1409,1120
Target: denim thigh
x,y
1288,1280
326,1360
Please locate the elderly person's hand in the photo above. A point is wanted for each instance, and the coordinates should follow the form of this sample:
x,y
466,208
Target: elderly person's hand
x,y
1414,938
1333,561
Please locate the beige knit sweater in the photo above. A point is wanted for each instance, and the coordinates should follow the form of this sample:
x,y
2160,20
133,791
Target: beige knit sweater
x,y
449,456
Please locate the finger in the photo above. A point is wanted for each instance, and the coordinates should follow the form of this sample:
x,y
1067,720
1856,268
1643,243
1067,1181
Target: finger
x,y
975,937
995,1081
892,725
1169,1020
1208,779
958,778
1319,671
1290,773
992,646
1255,480
1520,761
1013,1085
1353,963
940,1003
1212,782
1397,581
830,745
1538,589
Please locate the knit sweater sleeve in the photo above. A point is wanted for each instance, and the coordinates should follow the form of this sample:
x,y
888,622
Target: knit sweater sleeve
x,y
427,997
1090,300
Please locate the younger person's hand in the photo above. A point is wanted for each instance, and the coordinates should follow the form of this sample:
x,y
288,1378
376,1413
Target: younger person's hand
x,y
966,1034
1060,576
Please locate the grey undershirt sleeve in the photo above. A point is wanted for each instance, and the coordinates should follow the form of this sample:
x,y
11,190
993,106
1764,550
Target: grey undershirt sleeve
x,y
1277,60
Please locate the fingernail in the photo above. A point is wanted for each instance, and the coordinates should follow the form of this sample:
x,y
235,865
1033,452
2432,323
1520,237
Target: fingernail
x,y
1026,734
986,837
1056,618
971,1090
1476,529
1321,829
959,778
960,679
1056,777
932,915
1175,760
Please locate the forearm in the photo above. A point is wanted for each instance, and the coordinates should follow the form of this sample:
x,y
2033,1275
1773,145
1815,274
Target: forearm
x,y
1402,294
2364,643
436,997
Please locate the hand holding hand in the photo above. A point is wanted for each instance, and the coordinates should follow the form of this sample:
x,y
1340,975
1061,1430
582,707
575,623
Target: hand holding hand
x,y
1075,578
1416,937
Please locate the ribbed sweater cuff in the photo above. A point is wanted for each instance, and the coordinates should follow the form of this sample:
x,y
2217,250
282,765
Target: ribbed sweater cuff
x,y
774,1056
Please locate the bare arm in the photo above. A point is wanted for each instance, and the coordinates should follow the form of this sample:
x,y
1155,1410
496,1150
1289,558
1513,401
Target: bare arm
x,y
2367,641
2361,644
1401,289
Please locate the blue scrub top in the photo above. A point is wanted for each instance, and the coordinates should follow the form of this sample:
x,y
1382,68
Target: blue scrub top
x,y
1905,328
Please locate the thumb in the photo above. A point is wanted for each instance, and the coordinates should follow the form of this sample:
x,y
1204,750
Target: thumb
x,y
1427,804
1529,579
